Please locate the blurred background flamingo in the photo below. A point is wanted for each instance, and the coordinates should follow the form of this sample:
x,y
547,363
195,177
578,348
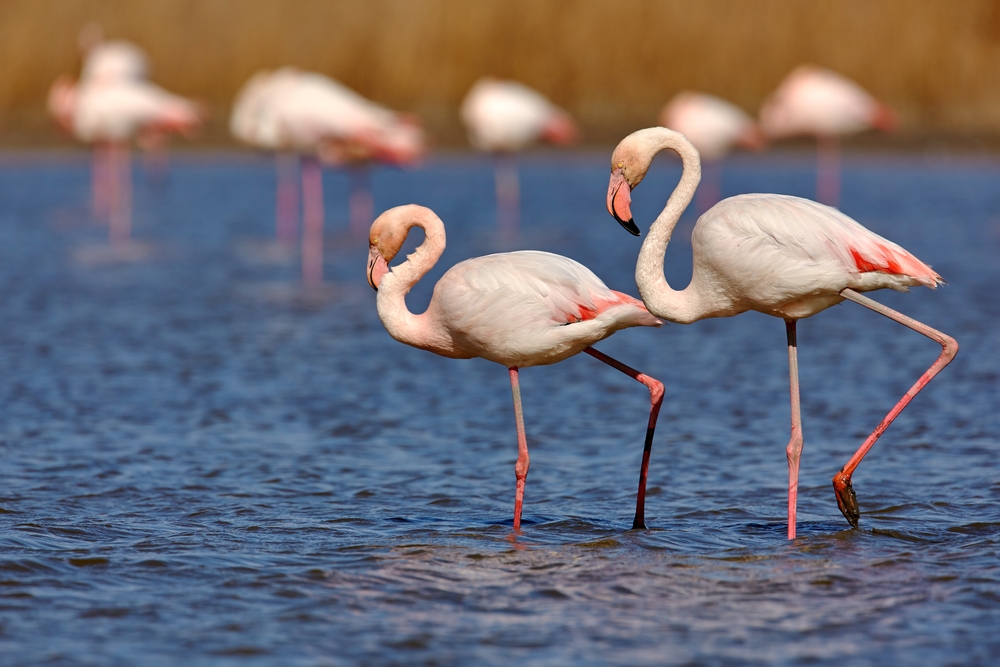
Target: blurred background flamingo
x,y
110,106
817,102
715,127
322,121
504,117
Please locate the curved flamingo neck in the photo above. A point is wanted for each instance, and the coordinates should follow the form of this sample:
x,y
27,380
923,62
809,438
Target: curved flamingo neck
x,y
683,306
417,330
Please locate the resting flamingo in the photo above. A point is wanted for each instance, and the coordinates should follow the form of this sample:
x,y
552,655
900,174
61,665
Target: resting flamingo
x,y
109,113
290,111
518,309
715,127
779,255
817,102
503,117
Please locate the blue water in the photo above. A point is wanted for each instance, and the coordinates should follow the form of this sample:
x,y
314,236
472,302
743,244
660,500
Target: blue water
x,y
201,463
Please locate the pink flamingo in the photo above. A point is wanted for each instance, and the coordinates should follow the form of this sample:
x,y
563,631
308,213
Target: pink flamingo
x,y
817,102
108,113
518,309
324,122
779,255
715,127
503,117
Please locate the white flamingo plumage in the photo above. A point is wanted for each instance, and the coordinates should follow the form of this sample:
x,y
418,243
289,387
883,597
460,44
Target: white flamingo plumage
x,y
779,255
813,101
517,309
503,117
288,110
715,127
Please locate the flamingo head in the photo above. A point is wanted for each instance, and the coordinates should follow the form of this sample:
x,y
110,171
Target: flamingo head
x,y
385,238
629,164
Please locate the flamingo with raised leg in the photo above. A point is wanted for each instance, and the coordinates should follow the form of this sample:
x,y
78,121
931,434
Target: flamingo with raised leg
x,y
715,127
814,101
504,117
290,111
517,309
779,255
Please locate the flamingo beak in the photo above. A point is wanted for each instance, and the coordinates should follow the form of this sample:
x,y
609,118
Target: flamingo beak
x,y
377,267
619,202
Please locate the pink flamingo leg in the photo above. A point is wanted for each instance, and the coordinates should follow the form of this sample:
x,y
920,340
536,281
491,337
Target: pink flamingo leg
x,y
312,222
846,498
523,460
656,400
828,171
508,194
710,189
99,175
361,206
120,193
286,212
794,449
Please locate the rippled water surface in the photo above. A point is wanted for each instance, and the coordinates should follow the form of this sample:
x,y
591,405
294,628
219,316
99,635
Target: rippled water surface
x,y
200,463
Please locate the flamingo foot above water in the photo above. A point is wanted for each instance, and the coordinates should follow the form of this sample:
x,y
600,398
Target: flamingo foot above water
x,y
847,500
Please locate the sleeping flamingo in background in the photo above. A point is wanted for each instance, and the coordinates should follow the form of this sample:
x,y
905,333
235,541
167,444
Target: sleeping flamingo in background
x,y
323,121
518,309
503,117
779,255
109,113
817,102
715,127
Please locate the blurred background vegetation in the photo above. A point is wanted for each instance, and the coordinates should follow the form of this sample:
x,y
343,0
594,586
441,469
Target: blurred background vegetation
x,y
612,63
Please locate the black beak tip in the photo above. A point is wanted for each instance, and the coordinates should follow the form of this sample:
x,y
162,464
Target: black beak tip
x,y
629,226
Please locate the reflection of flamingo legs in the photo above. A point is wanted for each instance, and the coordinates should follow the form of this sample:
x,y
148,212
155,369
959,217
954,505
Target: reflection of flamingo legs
x,y
312,222
828,171
286,214
361,207
508,193
119,193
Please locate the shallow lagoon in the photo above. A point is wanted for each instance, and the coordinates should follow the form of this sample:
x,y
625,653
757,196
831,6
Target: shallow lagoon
x,y
202,464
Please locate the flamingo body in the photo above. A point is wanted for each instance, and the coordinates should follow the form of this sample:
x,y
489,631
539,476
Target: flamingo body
x,y
518,309
818,102
509,116
120,110
712,124
114,60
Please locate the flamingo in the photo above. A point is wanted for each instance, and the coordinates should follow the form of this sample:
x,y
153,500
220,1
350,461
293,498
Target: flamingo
x,y
817,102
503,117
518,309
323,121
715,127
779,255
108,113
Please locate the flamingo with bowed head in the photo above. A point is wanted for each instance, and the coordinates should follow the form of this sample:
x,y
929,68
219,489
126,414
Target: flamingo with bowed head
x,y
518,309
714,126
504,117
109,113
779,255
322,121
813,101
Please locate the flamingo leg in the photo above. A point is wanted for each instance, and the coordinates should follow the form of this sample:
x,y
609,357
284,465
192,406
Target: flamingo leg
x,y
523,460
120,193
286,197
656,400
710,189
794,449
361,206
846,498
508,194
312,222
99,175
828,171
